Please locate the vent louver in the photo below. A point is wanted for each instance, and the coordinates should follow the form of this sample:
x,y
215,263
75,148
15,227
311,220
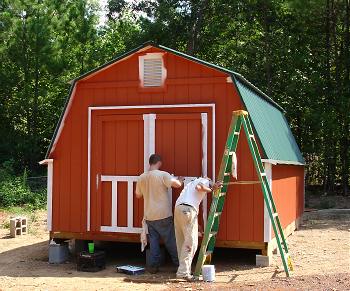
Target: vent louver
x,y
152,72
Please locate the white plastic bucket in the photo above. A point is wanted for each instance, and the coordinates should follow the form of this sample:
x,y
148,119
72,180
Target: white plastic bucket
x,y
208,272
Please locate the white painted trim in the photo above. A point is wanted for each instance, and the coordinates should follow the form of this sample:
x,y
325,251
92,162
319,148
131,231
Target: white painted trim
x,y
114,206
213,142
267,221
105,178
90,109
89,171
45,162
275,162
130,204
204,121
149,135
49,163
153,106
122,229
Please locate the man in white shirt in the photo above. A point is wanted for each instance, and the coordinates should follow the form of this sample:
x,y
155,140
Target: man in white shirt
x,y
153,187
186,222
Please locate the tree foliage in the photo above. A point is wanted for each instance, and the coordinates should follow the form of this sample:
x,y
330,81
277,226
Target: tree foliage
x,y
296,51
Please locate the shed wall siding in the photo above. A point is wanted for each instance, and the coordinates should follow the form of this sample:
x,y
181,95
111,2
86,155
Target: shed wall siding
x,y
288,191
186,83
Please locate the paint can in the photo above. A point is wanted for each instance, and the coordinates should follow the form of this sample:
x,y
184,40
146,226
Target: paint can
x,y
208,272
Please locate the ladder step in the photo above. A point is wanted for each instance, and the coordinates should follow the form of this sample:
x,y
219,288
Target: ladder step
x,y
231,153
227,174
222,194
252,136
216,214
213,233
274,215
263,174
208,254
236,133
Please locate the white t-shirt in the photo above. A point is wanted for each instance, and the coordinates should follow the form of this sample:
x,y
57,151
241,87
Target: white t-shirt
x,y
190,195
153,186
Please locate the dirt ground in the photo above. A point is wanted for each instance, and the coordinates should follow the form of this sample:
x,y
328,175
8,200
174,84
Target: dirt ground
x,y
320,251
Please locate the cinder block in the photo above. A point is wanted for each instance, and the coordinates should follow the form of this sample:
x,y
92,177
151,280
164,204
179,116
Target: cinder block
x,y
263,261
18,226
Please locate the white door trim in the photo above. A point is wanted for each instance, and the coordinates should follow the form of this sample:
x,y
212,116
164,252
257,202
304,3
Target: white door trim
x,y
204,121
92,108
149,136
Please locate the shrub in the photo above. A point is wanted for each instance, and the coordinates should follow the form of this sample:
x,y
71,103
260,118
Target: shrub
x,y
14,191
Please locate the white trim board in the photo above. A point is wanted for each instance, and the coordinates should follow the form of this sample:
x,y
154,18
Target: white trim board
x,y
49,163
149,135
267,221
276,162
90,109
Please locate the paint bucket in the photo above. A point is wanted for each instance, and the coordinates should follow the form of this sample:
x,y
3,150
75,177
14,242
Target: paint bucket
x,y
91,247
208,272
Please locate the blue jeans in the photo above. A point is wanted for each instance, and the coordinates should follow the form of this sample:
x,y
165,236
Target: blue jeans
x,y
162,229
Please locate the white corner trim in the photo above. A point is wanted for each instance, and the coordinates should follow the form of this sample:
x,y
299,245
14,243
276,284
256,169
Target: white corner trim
x,y
149,135
267,220
49,163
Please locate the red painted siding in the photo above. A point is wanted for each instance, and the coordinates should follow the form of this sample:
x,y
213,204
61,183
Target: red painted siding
x,y
187,83
288,192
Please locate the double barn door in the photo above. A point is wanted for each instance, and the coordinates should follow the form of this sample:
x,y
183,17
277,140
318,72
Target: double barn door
x,y
121,142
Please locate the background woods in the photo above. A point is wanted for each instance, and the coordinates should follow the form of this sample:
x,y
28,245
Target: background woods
x,y
296,51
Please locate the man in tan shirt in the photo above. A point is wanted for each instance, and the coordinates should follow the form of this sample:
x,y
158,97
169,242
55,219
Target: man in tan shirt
x,y
153,187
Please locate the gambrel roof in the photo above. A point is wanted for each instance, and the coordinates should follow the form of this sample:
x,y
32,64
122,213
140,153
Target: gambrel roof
x,y
270,124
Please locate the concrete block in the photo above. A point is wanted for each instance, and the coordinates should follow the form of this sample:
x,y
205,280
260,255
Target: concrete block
x,y
18,226
263,261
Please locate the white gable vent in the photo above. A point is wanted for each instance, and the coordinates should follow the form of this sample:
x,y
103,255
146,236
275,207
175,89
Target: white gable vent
x,y
152,71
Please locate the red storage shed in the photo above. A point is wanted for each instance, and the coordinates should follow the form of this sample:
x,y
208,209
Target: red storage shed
x,y
155,99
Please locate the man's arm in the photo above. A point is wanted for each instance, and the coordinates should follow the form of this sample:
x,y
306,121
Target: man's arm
x,y
177,183
202,188
138,191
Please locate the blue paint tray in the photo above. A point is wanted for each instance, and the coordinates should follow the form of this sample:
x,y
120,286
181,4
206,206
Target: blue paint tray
x,y
130,270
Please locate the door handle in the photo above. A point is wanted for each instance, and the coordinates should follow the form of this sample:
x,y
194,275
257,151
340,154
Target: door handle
x,y
97,181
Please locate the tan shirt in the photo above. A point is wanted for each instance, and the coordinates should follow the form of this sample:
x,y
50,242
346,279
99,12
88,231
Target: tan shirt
x,y
153,186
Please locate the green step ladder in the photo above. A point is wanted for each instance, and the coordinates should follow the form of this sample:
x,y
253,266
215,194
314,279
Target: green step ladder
x,y
240,118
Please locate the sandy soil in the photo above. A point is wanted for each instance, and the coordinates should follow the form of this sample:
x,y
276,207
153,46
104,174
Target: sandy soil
x,y
320,251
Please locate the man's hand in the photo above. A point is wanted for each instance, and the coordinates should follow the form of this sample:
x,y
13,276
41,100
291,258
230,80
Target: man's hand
x,y
217,185
181,179
177,182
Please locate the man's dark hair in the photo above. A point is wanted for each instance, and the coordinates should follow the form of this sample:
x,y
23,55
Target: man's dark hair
x,y
153,159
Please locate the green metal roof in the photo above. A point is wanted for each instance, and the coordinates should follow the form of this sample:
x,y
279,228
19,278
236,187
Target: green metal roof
x,y
267,116
272,128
